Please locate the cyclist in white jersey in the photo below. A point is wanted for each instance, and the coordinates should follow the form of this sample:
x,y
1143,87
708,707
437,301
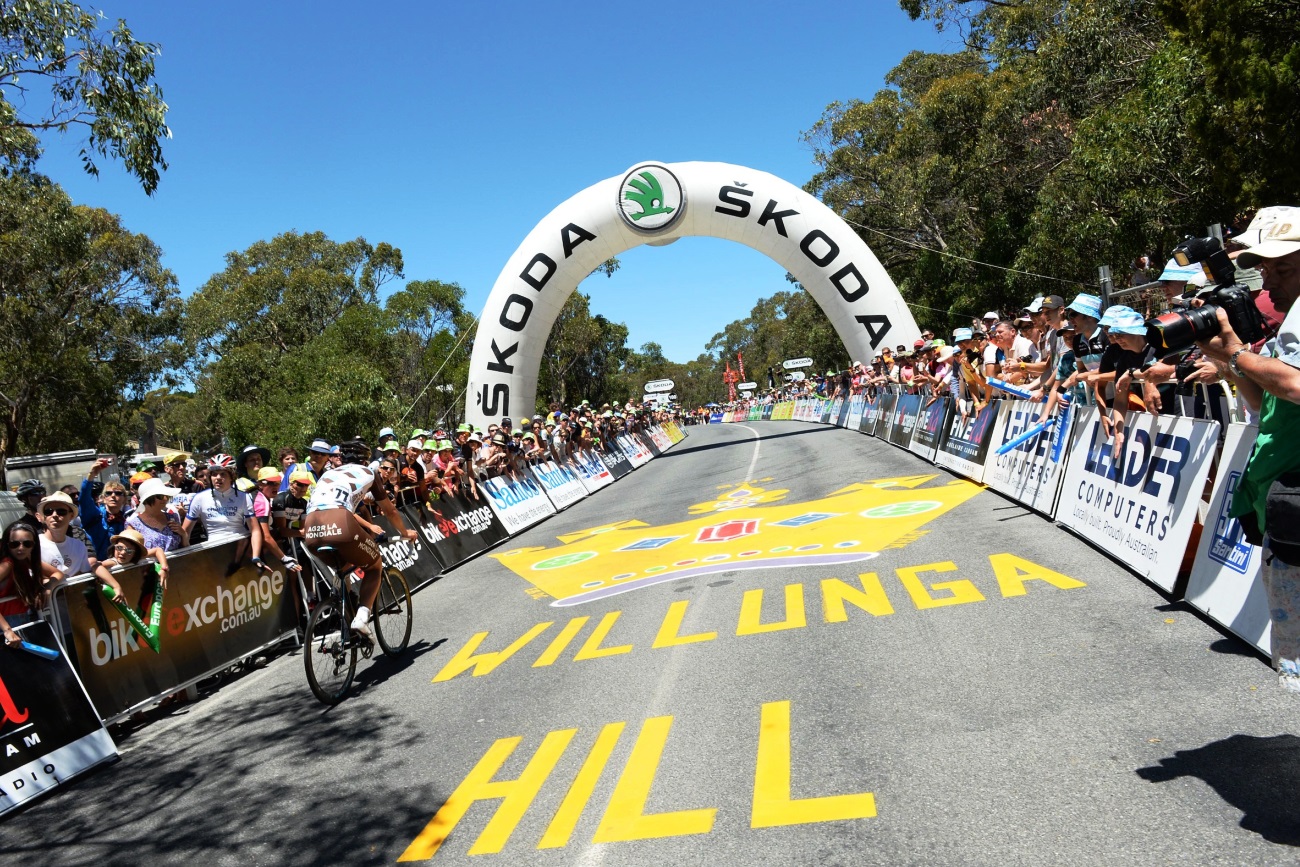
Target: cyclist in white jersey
x,y
331,519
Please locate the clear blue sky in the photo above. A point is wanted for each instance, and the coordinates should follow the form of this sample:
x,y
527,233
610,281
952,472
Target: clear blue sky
x,y
449,130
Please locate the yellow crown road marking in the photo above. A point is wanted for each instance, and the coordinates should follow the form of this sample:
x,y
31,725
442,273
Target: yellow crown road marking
x,y
745,527
624,817
868,594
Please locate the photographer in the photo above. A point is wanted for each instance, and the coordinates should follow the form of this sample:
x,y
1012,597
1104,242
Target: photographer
x,y
1267,494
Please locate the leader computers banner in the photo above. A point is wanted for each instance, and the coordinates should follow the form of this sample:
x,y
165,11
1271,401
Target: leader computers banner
x,y
1137,502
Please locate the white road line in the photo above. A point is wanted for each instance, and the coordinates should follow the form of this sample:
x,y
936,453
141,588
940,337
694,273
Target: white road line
x,y
749,473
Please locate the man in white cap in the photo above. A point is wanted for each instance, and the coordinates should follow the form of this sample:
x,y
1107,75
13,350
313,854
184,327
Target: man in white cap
x,y
1266,496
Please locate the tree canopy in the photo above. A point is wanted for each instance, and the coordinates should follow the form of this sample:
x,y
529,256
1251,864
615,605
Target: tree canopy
x,y
59,71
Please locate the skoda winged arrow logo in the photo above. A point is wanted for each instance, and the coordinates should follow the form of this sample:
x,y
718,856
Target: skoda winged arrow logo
x,y
650,197
647,193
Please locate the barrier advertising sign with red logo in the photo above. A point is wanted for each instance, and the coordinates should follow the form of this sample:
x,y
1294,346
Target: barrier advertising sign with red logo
x,y
1138,505
1226,581
929,430
455,527
591,470
49,731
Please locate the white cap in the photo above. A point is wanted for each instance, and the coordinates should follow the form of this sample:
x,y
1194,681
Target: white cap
x,y
414,444
154,487
991,315
1274,232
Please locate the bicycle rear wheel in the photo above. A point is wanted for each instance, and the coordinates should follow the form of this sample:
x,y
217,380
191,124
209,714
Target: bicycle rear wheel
x,y
392,615
330,665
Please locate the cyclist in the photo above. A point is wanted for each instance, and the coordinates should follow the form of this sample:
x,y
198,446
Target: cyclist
x,y
332,519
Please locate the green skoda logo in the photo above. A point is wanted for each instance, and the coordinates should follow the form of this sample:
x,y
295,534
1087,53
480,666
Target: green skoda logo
x,y
650,198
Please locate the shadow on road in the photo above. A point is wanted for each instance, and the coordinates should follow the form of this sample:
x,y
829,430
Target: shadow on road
x,y
224,792
1257,775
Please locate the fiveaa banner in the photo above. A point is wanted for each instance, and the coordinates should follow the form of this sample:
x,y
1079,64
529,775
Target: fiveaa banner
x,y
930,428
49,730
965,446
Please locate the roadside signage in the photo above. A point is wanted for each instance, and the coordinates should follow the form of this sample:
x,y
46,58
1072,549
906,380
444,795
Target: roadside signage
x,y
659,385
797,363
48,728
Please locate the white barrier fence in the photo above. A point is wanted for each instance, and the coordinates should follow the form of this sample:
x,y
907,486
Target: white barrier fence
x,y
1139,502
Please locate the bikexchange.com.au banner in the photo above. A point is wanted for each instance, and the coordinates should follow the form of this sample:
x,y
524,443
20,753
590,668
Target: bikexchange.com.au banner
x,y
216,610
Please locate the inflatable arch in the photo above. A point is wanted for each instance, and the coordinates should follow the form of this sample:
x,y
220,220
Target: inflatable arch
x,y
657,203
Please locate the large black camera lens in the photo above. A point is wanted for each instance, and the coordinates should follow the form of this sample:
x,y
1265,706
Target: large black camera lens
x,y
1178,329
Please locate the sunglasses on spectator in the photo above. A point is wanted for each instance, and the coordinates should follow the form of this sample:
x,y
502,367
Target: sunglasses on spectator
x,y
15,543
62,513
387,467
115,493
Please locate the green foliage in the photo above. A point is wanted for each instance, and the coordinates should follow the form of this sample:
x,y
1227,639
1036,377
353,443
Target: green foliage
x,y
431,333
1063,137
54,53
583,356
91,320
292,342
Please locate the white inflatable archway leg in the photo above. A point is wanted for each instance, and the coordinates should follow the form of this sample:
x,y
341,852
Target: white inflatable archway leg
x,y
657,203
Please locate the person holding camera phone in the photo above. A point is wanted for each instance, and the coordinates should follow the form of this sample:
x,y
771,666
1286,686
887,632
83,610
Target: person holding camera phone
x,y
1267,499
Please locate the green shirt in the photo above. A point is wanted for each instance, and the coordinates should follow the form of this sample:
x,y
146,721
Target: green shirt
x,y
1275,453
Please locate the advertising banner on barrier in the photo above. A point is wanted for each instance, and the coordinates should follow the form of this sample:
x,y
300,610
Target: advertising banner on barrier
x,y
648,443
930,426
560,483
1226,582
660,438
215,611
767,412
591,470
455,527
854,421
715,418
905,411
870,415
841,417
636,452
48,727
675,434
885,415
1138,507
415,560
519,502
965,445
1031,473
830,410
614,459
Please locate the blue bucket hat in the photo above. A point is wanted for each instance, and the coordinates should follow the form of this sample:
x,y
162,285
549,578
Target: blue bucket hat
x,y
1125,321
962,334
1088,305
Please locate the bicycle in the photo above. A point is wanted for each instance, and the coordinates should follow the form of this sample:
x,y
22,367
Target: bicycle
x,y
330,645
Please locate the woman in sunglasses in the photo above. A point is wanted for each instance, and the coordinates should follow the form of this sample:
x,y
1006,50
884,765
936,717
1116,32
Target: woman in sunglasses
x,y
23,579
65,553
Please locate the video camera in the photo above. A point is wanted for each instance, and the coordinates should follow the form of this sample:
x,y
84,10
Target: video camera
x,y
1179,329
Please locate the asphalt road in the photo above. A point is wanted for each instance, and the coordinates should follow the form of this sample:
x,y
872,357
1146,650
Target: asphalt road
x,y
932,675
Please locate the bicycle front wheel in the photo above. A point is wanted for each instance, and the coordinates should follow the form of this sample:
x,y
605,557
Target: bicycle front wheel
x,y
392,615
330,665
